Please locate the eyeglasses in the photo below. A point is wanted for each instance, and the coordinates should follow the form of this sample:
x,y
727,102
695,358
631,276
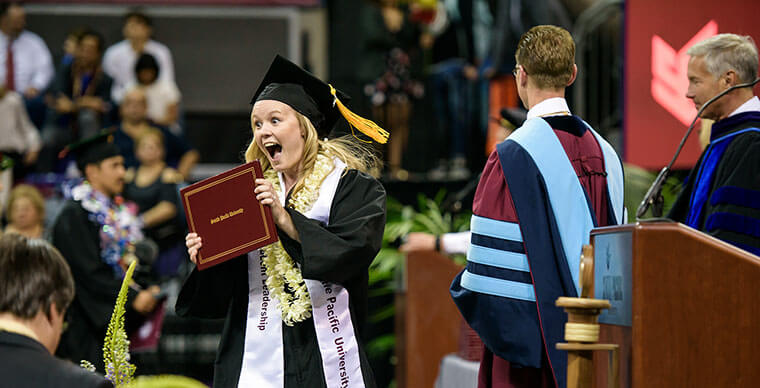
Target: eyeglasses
x,y
517,70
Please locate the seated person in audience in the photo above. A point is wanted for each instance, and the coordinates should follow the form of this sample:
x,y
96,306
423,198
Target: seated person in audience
x,y
70,45
152,186
19,138
81,99
119,60
162,94
25,212
134,122
36,288
25,62
5,188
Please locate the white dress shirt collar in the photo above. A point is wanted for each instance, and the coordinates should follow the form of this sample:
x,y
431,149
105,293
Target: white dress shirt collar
x,y
752,105
555,106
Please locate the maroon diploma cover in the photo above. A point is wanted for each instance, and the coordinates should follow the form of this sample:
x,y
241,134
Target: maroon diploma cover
x,y
224,212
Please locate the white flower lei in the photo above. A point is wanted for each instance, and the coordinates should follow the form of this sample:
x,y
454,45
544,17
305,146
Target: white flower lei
x,y
295,306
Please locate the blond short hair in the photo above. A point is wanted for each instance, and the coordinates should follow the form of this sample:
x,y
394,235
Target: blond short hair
x,y
26,191
547,53
724,52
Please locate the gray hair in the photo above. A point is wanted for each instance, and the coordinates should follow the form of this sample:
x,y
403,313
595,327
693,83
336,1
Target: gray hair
x,y
724,52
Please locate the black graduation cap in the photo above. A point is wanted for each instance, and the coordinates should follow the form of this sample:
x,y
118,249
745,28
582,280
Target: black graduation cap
x,y
93,149
308,95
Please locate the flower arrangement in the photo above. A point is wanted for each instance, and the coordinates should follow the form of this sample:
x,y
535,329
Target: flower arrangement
x,y
284,278
116,347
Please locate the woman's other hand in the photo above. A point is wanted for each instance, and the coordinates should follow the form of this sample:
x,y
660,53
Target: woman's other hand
x,y
193,243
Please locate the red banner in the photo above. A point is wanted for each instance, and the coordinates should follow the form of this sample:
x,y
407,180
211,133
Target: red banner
x,y
658,33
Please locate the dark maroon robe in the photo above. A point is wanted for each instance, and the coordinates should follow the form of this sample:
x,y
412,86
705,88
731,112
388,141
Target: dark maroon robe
x,y
587,159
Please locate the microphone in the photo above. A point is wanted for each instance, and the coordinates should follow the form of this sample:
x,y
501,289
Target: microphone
x,y
514,116
653,196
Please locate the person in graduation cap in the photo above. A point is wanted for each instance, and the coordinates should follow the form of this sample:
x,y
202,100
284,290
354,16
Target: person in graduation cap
x,y
97,233
295,309
541,192
721,197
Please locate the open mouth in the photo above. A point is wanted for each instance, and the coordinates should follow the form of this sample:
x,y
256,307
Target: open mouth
x,y
273,149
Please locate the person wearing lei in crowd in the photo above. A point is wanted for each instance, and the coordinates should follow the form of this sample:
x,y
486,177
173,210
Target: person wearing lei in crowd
x,y
96,232
295,309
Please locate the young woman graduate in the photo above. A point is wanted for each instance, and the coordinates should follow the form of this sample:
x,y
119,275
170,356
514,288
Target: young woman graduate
x,y
295,309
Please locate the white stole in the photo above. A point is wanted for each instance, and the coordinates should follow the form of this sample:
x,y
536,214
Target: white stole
x,y
263,362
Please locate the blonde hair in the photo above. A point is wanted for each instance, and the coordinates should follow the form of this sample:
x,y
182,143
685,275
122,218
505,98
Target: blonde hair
x,y
724,52
356,156
547,53
30,192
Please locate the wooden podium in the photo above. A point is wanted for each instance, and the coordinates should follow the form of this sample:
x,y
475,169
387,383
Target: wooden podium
x,y
428,322
685,307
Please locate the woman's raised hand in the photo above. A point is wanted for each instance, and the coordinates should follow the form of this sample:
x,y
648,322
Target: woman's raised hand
x,y
266,194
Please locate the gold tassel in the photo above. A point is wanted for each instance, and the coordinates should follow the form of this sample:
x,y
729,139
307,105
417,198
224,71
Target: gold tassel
x,y
365,126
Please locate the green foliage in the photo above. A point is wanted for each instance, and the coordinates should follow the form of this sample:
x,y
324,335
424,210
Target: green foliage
x,y
637,182
116,348
386,270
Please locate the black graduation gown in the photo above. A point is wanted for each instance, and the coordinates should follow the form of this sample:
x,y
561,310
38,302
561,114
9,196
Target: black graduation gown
x,y
339,253
24,362
738,168
78,239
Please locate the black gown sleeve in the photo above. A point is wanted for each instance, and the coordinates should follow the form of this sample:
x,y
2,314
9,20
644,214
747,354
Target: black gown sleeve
x,y
76,237
736,184
345,248
207,293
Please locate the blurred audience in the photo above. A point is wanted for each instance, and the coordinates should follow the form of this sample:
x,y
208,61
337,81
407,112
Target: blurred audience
x,y
162,94
5,164
119,60
391,45
134,122
80,99
26,65
19,139
452,72
70,45
36,288
25,212
153,187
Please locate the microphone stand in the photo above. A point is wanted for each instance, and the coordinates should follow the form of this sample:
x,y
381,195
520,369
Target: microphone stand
x,y
653,196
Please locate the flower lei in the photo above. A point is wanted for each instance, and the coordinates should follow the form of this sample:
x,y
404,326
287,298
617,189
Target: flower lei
x,y
284,279
120,228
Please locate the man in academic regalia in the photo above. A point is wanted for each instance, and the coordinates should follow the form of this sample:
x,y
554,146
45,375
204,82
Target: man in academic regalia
x,y
721,197
96,233
36,287
541,192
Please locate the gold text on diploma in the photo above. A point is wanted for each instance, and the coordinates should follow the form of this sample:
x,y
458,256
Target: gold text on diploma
x,y
227,215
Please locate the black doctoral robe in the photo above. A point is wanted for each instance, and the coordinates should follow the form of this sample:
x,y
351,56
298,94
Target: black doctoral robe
x,y
78,239
340,253
729,209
